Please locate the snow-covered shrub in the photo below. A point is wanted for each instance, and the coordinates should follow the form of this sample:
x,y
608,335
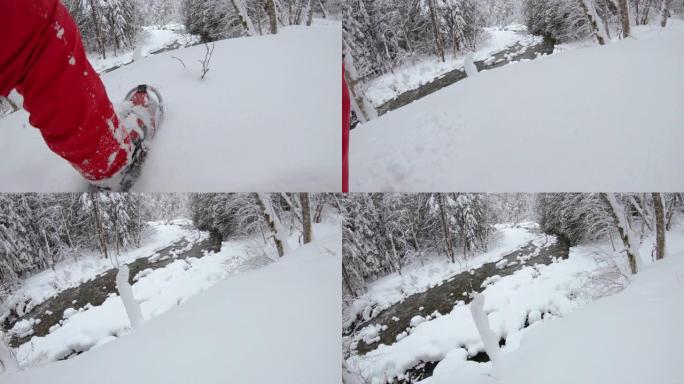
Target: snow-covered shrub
x,y
560,20
610,277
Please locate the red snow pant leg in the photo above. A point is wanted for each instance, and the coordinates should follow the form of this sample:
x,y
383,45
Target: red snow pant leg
x,y
346,117
42,56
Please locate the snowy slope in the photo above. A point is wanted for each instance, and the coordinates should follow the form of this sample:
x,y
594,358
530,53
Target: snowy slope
x,y
266,118
601,118
633,337
278,324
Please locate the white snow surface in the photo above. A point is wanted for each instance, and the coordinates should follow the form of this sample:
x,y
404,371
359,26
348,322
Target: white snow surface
x,y
266,118
241,324
595,119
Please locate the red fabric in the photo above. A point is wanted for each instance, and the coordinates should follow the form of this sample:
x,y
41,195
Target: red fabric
x,y
346,117
42,56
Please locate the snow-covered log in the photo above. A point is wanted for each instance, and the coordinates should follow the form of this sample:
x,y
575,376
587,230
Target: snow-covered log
x,y
489,339
126,293
469,65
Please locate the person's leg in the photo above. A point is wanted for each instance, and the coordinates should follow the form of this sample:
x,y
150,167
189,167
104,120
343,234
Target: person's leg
x,y
346,118
42,57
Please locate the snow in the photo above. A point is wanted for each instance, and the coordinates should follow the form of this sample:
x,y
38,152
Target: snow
x,y
423,70
469,65
552,319
489,339
266,118
629,338
601,118
126,294
239,324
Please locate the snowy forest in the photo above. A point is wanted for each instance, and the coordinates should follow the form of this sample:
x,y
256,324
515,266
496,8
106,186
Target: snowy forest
x,y
382,36
441,287
114,24
385,232
37,231
81,270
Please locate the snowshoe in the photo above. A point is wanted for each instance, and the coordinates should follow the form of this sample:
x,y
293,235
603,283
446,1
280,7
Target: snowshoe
x,y
146,110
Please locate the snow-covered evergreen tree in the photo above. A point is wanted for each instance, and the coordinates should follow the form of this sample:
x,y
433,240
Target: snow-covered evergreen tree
x,y
39,230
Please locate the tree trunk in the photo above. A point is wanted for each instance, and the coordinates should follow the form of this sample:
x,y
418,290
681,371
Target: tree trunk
x,y
273,20
664,12
439,42
660,226
322,7
446,228
306,217
309,16
623,230
395,258
360,105
98,223
592,16
244,18
273,223
98,31
318,215
623,9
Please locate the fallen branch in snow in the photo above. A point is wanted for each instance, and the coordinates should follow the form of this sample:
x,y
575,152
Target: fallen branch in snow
x,y
181,61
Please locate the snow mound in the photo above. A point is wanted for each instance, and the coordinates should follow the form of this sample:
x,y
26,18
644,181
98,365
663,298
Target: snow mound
x,y
266,118
633,337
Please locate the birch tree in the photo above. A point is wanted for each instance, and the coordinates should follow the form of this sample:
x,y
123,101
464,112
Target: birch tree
x,y
306,217
270,217
272,18
598,28
660,225
664,12
246,21
623,11
624,230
